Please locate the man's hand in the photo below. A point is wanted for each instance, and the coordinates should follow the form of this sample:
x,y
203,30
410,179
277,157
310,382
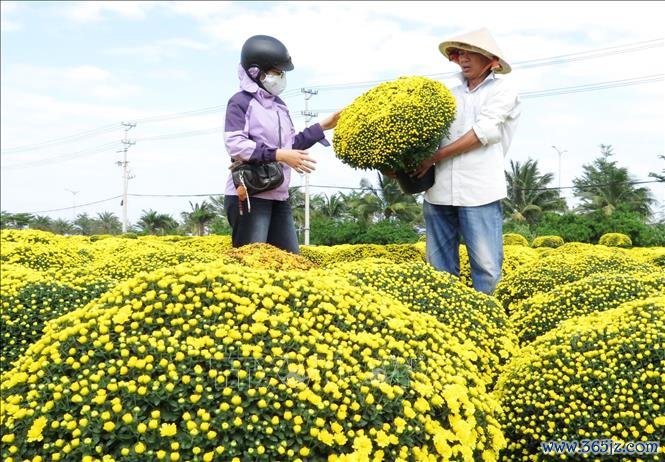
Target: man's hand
x,y
330,121
423,168
297,159
389,174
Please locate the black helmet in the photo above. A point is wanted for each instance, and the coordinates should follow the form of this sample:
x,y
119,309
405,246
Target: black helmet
x,y
265,52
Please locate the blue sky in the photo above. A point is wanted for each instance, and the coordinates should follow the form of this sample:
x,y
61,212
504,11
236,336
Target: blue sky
x,y
82,68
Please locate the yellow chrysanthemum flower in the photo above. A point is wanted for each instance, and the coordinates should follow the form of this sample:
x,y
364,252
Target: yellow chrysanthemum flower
x,y
395,125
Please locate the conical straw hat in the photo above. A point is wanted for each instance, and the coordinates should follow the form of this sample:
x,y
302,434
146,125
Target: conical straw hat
x,y
479,41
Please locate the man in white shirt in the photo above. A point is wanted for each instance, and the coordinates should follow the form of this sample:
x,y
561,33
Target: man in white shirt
x,y
465,200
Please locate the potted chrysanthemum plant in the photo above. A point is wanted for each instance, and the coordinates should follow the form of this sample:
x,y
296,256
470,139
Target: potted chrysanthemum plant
x,y
394,126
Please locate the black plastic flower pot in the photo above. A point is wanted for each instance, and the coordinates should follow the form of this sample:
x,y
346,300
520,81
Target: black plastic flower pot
x,y
411,185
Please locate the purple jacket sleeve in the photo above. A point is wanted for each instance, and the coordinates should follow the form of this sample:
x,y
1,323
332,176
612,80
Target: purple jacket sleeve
x,y
309,136
238,140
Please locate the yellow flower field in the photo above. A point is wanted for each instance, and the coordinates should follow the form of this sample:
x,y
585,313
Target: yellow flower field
x,y
184,349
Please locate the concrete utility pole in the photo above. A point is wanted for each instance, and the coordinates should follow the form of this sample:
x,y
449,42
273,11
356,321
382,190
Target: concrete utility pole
x,y
560,152
74,193
126,174
307,93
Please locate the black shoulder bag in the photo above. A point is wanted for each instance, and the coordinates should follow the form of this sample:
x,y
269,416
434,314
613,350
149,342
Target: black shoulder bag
x,y
257,177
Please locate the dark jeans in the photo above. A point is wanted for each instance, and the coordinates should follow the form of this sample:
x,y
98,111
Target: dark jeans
x,y
269,222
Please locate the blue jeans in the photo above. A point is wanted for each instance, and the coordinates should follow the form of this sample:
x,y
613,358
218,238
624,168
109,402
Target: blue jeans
x,y
269,222
482,230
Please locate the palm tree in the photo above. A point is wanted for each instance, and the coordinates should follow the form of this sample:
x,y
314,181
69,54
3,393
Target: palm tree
x,y
528,193
60,226
334,206
363,205
217,204
108,223
297,201
84,225
604,186
387,202
659,176
20,220
154,223
6,219
199,218
41,222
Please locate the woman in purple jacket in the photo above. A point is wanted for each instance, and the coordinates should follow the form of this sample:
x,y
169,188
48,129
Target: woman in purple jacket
x,y
259,129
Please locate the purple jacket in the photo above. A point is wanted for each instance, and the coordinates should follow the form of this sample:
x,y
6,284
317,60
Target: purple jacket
x,y
252,132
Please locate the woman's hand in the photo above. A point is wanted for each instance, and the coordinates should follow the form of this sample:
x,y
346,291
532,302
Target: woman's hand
x,y
297,159
330,121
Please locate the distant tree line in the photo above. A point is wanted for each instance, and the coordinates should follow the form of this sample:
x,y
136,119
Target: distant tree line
x,y
610,200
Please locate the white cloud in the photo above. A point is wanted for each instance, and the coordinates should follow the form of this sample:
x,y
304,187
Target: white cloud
x,y
160,50
200,10
76,82
368,40
93,11
331,42
7,9
86,73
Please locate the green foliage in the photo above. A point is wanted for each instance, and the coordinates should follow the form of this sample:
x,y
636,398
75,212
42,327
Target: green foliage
x,y
574,227
528,193
547,241
327,231
220,225
630,223
200,217
152,222
615,240
604,187
389,232
511,226
570,226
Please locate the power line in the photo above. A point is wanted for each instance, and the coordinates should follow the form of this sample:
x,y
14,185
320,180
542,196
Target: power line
x,y
176,195
559,59
204,131
593,86
525,95
591,186
598,53
64,157
180,115
64,139
78,206
359,188
577,88
110,128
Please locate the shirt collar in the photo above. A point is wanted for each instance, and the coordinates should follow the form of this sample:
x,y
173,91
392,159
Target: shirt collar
x,y
491,76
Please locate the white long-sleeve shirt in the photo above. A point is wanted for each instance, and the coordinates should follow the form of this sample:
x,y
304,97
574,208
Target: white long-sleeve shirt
x,y
477,177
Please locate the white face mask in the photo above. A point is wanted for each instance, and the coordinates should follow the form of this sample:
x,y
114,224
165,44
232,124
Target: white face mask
x,y
275,84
